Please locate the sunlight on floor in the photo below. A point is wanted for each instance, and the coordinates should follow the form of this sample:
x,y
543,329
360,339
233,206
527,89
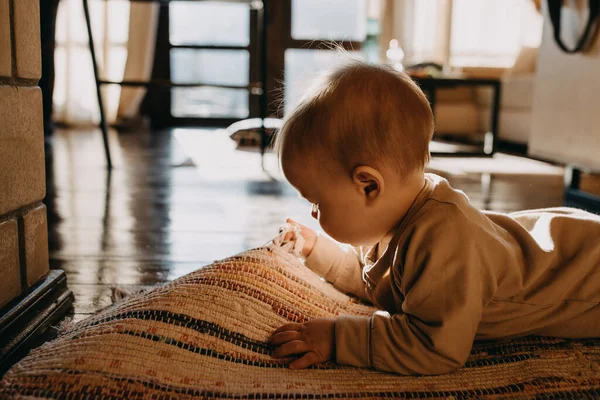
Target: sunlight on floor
x,y
214,154
499,164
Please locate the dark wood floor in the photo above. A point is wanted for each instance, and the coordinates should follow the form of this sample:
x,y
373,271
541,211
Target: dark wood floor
x,y
179,199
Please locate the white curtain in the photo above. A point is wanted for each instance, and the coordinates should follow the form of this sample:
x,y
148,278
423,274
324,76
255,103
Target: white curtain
x,y
420,26
487,33
124,35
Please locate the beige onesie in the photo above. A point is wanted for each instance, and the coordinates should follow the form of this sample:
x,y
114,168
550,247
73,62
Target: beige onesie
x,y
451,274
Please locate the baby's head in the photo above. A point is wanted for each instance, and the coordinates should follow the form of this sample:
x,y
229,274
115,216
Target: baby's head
x,y
356,146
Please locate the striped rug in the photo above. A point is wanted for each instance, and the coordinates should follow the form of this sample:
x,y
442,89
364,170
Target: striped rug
x,y
203,336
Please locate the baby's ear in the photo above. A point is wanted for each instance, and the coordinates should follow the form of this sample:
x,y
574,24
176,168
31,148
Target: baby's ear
x,y
368,182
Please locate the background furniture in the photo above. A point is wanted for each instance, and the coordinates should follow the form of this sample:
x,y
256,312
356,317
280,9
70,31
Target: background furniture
x,y
431,87
566,119
464,113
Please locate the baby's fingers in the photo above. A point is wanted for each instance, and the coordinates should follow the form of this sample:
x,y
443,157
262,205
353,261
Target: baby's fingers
x,y
306,360
284,337
298,224
288,236
287,327
290,348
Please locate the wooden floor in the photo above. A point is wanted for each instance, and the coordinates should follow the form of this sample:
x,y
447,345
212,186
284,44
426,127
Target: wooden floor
x,y
179,199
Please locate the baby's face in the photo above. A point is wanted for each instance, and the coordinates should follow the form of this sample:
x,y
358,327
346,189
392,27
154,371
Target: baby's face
x,y
338,205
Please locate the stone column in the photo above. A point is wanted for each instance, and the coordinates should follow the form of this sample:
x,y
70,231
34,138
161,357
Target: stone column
x,y
29,293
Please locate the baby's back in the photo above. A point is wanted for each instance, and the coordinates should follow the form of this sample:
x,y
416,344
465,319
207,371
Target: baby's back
x,y
551,281
545,268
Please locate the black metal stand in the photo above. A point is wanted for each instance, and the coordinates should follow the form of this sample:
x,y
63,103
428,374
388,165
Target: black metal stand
x,y
24,322
103,124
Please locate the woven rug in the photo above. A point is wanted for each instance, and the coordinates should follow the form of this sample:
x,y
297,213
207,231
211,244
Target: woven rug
x,y
203,335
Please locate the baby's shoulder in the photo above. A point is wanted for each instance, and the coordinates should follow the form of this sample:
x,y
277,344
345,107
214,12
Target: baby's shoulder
x,y
441,223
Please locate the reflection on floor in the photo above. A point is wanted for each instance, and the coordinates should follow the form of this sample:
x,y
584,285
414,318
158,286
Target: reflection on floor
x,y
179,199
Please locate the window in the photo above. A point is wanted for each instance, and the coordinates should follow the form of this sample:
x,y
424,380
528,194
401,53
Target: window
x,y
229,60
491,32
317,20
331,20
209,23
302,66
209,45
462,33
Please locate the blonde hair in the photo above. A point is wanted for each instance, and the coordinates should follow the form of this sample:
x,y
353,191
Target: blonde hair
x,y
360,114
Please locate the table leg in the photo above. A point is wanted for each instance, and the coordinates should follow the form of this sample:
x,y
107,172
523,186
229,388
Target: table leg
x,y
490,137
432,99
574,196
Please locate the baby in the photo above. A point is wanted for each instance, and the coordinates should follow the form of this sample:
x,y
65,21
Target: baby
x,y
442,272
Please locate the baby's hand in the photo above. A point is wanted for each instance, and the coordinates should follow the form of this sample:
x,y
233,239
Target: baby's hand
x,y
310,237
315,338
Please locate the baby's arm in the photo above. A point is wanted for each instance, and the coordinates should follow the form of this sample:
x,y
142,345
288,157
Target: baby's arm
x,y
433,335
339,264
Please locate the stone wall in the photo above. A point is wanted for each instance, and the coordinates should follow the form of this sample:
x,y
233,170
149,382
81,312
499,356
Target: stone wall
x,y
23,227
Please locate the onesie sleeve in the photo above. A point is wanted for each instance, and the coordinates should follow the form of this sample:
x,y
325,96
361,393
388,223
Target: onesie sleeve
x,y
339,264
